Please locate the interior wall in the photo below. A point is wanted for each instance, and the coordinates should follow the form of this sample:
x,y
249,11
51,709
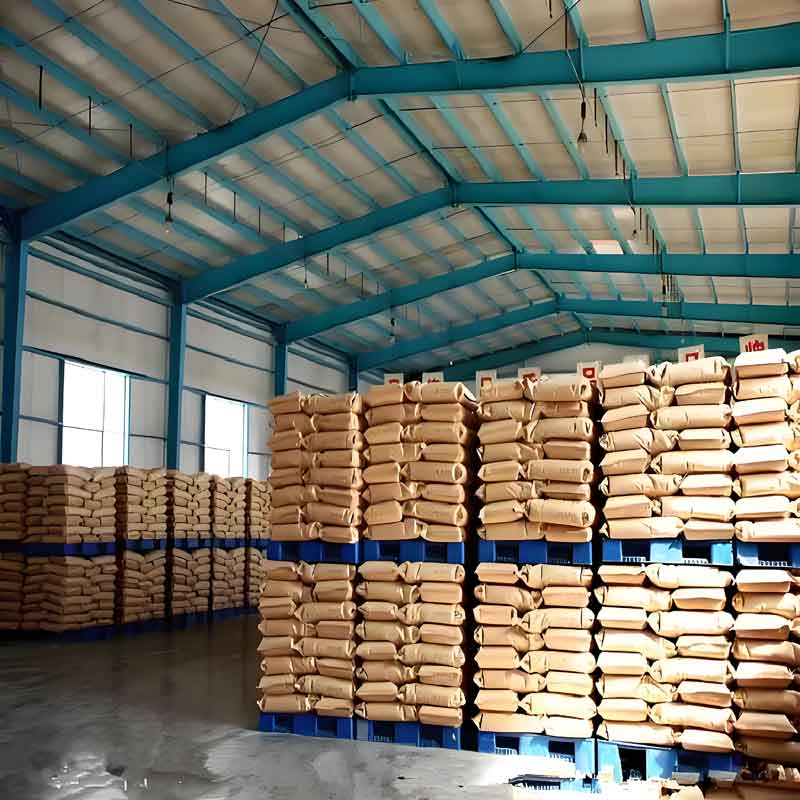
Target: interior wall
x,y
78,309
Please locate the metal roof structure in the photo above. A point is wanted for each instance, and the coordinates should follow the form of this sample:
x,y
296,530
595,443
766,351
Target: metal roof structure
x,y
406,181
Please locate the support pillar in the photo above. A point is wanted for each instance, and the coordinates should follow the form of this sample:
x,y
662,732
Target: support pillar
x,y
16,258
177,359
280,362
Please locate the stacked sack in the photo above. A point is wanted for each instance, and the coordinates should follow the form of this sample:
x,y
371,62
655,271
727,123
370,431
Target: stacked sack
x,y
237,510
237,565
13,501
333,510
411,632
220,506
133,594
190,580
767,434
308,645
154,569
702,461
132,516
222,578
289,465
181,505
664,653
254,575
767,603
257,505
12,580
632,492
64,593
390,451
504,452
69,505
446,437
535,650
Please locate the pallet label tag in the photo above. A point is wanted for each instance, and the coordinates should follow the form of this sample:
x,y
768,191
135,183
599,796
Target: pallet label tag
x,y
485,377
392,378
433,377
533,374
694,353
754,343
589,370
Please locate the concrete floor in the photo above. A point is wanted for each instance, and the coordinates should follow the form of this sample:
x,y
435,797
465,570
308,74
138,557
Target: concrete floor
x,y
172,716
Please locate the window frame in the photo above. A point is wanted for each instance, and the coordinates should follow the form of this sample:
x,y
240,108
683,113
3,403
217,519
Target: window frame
x,y
204,445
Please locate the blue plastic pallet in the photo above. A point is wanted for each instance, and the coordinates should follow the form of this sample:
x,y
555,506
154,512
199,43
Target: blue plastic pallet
x,y
580,752
537,552
82,549
227,613
315,552
191,543
624,761
767,554
667,551
7,546
413,550
137,628
307,725
259,544
187,620
144,545
412,733
228,544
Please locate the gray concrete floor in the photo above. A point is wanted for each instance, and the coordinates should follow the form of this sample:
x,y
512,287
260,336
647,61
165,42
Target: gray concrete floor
x,y
172,716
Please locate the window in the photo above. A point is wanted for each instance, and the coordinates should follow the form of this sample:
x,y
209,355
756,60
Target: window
x,y
95,418
225,437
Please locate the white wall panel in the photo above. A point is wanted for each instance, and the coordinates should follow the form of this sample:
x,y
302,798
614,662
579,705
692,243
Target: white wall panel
x,y
217,376
308,376
145,452
190,458
229,344
39,386
191,417
257,466
38,442
148,408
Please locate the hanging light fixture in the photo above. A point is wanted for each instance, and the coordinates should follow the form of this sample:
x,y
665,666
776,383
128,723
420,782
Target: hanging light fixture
x,y
583,139
168,216
392,338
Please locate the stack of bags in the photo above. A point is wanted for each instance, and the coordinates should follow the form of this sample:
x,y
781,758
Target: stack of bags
x,y
664,656
237,565
12,580
13,501
254,576
155,503
237,510
221,579
64,593
289,466
333,510
308,645
767,604
69,505
257,504
631,509
200,566
504,453
535,661
562,510
702,459
767,434
133,596
182,507
154,569
411,642
133,517
389,454
190,587
446,436
221,503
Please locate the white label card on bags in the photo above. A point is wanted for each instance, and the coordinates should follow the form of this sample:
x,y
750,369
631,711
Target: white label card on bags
x,y
755,343
392,378
433,377
532,373
589,369
484,377
694,353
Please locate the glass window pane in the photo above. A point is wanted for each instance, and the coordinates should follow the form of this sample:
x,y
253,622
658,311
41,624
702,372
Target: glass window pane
x,y
224,436
218,462
113,449
115,408
82,448
83,396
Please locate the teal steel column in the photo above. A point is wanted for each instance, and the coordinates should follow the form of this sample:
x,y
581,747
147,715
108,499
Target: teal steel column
x,y
177,358
13,331
280,362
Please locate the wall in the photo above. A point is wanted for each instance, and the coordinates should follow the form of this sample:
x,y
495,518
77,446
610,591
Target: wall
x,y
84,310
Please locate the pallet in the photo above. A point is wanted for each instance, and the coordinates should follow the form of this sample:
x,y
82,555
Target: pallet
x,y
77,549
228,544
143,545
183,621
413,550
145,626
96,634
315,552
259,544
667,551
411,733
191,543
579,752
620,761
535,552
307,725
227,613
768,554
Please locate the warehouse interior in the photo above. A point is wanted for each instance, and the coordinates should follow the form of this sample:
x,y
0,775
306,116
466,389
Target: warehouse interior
x,y
208,204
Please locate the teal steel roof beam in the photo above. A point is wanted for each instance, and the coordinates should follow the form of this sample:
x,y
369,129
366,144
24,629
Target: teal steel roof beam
x,y
394,298
564,134
250,266
506,24
465,370
794,231
746,189
735,128
446,33
372,16
721,345
707,312
647,19
502,119
616,233
745,53
454,334
743,229
673,129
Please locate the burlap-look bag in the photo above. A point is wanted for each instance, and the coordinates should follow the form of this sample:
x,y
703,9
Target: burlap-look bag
x,y
637,733
625,462
761,363
388,394
640,687
513,680
625,418
508,723
703,693
649,485
704,370
627,506
621,709
648,396
645,528
689,462
501,390
519,410
505,430
647,439
399,452
404,413
560,388
634,597
628,373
